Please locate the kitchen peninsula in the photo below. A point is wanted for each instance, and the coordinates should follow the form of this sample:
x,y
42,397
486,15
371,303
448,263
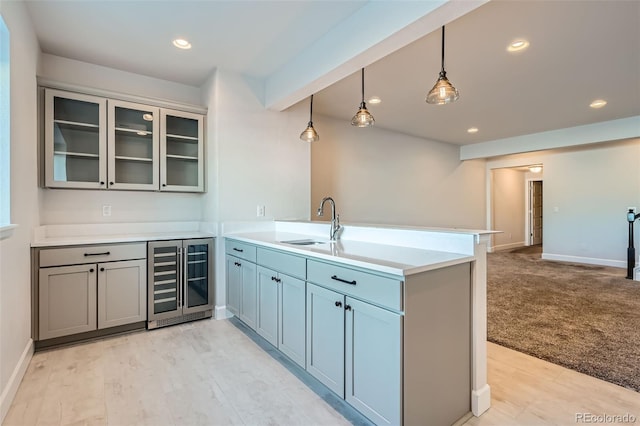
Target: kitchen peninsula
x,y
393,320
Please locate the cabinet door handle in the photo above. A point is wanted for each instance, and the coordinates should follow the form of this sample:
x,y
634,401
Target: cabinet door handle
x,y
334,277
347,307
101,269
106,253
273,278
101,182
278,280
111,184
338,304
237,264
164,184
237,249
91,270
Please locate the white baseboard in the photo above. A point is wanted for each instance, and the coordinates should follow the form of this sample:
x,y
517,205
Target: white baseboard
x,y
221,313
480,400
9,392
508,246
587,260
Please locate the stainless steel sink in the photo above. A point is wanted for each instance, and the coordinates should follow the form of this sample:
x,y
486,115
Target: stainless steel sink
x,y
307,242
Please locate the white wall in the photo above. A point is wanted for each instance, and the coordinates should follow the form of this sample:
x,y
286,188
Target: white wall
x,y
508,208
255,158
384,177
15,273
586,192
82,206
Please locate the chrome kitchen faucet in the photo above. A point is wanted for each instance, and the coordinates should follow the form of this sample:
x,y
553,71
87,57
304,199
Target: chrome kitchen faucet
x,y
335,219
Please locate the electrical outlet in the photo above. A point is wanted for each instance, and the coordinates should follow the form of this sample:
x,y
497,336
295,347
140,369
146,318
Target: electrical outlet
x,y
106,210
260,211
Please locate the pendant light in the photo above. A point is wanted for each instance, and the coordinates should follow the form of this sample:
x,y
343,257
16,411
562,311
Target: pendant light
x,y
309,134
363,118
443,91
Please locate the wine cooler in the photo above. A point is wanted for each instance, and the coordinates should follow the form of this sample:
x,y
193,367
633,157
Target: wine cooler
x,y
180,281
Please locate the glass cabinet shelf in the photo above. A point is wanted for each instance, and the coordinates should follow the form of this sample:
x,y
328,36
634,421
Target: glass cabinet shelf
x,y
137,132
184,138
76,154
123,158
76,124
182,157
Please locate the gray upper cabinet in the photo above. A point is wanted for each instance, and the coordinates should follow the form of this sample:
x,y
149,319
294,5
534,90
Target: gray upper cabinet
x,y
75,140
181,151
133,143
97,143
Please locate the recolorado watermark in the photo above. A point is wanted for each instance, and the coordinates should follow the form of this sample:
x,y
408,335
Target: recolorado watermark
x,y
605,418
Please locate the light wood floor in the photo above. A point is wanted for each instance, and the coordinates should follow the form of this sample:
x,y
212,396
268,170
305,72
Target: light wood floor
x,y
211,373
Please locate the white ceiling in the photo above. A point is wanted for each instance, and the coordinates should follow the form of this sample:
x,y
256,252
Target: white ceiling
x,y
580,51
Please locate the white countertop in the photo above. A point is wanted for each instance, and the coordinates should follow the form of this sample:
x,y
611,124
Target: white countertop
x,y
116,238
82,234
390,259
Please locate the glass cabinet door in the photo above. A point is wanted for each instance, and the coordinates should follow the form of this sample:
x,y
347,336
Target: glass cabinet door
x,y
75,142
164,280
198,275
133,146
181,152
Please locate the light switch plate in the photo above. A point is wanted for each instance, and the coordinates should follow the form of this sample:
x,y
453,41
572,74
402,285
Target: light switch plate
x,y
260,210
106,210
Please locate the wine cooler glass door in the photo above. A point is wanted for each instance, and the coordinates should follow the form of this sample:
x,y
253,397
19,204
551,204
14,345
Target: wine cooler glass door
x,y
164,300
197,274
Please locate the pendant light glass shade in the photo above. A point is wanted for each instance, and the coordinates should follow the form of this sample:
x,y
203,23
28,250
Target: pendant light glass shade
x,y
443,91
309,134
363,117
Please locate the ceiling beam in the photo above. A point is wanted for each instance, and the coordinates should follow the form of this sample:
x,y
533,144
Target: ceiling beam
x,y
374,31
606,131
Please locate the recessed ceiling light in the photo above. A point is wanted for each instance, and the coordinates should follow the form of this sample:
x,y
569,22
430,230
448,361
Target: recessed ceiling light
x,y
598,103
181,43
375,100
147,117
518,45
472,130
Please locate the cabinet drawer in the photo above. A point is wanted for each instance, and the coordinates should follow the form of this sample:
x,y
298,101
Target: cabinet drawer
x,y
382,291
241,250
92,254
282,262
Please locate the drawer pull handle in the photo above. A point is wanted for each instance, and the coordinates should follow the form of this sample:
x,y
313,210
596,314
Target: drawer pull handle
x,y
276,279
237,249
334,277
106,253
338,304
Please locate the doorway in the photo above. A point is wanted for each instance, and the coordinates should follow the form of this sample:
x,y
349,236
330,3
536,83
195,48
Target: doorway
x,y
535,212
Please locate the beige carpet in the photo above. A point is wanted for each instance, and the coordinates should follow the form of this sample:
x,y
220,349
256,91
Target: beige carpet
x,y
583,317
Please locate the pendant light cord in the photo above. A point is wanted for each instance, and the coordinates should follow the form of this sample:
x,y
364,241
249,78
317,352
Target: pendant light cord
x,y
442,49
311,111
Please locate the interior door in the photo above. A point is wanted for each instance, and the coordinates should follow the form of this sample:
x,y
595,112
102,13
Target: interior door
x,y
535,222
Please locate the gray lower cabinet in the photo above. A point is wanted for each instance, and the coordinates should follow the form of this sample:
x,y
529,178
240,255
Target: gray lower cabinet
x,y
67,302
241,281
354,348
373,363
325,337
122,293
281,312
89,288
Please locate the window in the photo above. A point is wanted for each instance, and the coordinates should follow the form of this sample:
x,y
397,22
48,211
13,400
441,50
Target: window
x,y
5,134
